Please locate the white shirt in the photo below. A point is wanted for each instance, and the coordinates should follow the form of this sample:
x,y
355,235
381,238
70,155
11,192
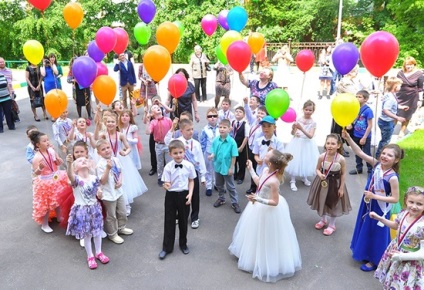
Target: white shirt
x,y
261,149
110,193
178,177
195,150
61,129
226,115
255,133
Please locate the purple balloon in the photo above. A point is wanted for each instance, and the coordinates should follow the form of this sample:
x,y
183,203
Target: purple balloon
x,y
94,52
345,57
222,19
84,70
146,11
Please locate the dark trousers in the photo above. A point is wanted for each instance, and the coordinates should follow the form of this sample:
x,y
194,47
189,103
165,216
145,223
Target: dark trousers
x,y
195,200
153,160
175,202
6,108
197,84
254,164
240,165
367,150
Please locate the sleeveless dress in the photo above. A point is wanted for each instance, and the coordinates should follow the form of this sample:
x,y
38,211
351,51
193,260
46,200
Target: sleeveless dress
x,y
50,80
134,155
265,241
303,150
86,216
405,274
369,239
325,200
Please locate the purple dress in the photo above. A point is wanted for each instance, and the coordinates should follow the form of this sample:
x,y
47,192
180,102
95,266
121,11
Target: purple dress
x,y
408,94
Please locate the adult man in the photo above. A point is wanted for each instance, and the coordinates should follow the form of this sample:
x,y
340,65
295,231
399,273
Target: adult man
x,y
127,78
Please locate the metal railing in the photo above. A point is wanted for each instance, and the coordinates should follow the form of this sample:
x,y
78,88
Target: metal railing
x,y
295,47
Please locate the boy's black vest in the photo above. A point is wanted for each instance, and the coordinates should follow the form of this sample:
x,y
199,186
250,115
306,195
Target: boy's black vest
x,y
238,132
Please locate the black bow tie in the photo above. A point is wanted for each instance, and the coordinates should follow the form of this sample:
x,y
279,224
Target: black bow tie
x,y
178,165
266,142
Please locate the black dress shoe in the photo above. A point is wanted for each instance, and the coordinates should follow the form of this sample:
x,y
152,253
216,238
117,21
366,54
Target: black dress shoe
x,y
152,171
250,191
185,250
355,171
239,181
162,255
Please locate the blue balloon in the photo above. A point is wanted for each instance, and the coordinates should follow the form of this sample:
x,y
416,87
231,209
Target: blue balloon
x,y
237,18
345,57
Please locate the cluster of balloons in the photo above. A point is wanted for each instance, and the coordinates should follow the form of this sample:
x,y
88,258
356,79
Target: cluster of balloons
x,y
234,19
146,10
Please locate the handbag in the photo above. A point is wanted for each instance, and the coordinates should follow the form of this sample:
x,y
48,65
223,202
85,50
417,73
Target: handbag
x,y
37,102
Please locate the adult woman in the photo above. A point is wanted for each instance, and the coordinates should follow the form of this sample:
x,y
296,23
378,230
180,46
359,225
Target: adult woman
x,y
53,60
408,95
261,87
35,90
325,76
187,102
148,86
6,103
222,81
283,59
50,73
199,64
82,96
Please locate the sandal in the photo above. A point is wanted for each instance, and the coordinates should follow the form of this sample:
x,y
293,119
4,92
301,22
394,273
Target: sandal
x,y
102,258
329,231
319,225
92,263
293,186
306,181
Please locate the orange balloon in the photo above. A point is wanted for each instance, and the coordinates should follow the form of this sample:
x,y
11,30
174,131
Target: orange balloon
x,y
73,14
256,41
56,102
168,35
104,89
157,62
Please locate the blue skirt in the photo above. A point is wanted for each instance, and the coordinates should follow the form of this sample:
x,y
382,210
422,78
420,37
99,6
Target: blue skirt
x,y
85,220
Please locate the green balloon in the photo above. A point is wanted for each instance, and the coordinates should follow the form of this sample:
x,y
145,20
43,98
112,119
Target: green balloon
x,y
142,33
220,55
180,26
277,102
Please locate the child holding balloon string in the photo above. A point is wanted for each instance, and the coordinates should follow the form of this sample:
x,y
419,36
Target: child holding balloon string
x,y
128,127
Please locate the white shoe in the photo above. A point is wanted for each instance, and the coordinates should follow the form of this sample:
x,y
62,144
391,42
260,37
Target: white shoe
x,y
47,229
128,207
306,181
126,231
116,239
103,234
195,224
293,186
82,243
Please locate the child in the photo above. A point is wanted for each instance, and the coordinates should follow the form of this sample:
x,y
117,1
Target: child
x,y
240,133
85,219
178,177
128,127
223,153
109,171
61,128
159,126
225,112
402,262
264,219
81,134
265,143
303,147
30,151
370,239
49,181
361,130
328,194
208,134
388,113
175,133
251,106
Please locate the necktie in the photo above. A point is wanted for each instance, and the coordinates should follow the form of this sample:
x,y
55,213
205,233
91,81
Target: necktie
x,y
266,142
178,165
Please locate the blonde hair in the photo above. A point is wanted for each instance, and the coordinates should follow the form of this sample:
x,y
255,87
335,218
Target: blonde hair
x,y
392,82
408,60
280,161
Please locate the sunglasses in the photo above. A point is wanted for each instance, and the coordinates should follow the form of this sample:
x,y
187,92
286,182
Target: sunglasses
x,y
212,116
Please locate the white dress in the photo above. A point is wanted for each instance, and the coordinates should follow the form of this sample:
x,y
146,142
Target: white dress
x,y
265,241
135,155
304,150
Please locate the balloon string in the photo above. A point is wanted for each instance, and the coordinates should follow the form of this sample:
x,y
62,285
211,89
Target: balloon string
x,y
301,91
73,42
375,119
45,29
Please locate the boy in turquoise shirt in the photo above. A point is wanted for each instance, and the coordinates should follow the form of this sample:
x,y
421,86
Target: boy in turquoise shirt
x,y
223,153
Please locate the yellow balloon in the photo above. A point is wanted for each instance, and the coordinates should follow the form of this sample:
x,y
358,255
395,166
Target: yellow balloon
x,y
393,232
33,51
256,41
228,38
345,109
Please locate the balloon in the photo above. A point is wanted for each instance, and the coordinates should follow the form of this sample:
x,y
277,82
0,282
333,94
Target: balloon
x,y
345,57
222,19
289,116
33,51
256,41
84,70
220,55
228,38
106,39
344,108
73,14
121,40
40,4
277,102
146,10
180,26
177,85
209,24
101,69
56,102
237,18
157,62
142,33
168,36
104,89
94,52
379,52
239,55
305,59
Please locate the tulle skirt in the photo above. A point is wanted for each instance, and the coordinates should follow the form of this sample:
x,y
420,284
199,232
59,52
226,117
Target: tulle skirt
x,y
135,156
265,242
132,183
305,155
85,220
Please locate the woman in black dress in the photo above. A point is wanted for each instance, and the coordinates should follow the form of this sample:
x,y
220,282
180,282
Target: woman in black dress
x,y
35,90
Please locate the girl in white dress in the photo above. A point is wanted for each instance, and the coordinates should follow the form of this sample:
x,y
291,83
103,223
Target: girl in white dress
x,y
264,239
128,127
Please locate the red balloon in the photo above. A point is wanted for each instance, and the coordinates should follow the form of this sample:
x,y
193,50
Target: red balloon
x,y
121,40
238,55
40,4
305,59
101,69
379,52
177,85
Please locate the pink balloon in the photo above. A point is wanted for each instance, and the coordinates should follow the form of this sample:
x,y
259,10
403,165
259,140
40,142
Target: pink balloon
x,y
121,40
177,85
239,55
209,24
101,69
106,39
289,116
